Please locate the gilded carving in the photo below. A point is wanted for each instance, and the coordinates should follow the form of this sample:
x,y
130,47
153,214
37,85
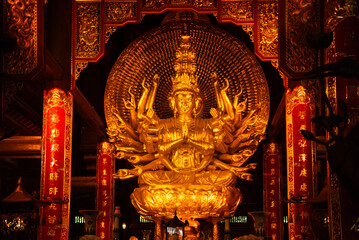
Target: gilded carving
x,y
108,32
268,29
119,11
299,96
204,3
249,29
106,148
337,10
195,3
301,17
88,30
155,3
22,25
238,10
334,198
79,67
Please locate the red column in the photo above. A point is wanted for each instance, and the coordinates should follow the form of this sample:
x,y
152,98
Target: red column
x,y
272,179
105,189
55,186
300,159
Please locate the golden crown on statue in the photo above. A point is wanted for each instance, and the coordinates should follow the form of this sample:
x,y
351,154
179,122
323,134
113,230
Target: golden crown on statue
x,y
185,67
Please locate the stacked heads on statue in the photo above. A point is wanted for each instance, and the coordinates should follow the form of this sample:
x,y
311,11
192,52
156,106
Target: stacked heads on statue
x,y
186,164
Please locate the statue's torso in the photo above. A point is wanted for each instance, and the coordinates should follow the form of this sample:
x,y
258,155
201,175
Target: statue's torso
x,y
185,155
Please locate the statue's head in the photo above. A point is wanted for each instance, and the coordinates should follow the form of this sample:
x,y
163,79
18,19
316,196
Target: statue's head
x,y
185,96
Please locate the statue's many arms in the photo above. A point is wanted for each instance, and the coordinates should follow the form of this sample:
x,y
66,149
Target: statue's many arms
x,y
186,148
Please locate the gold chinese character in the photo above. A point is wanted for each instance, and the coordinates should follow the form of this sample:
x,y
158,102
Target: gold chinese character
x,y
273,226
53,163
102,235
53,190
104,182
51,219
272,192
303,127
55,133
302,143
104,172
52,206
272,171
303,172
102,224
272,161
304,229
304,187
51,232
104,193
301,115
55,147
302,157
304,214
55,118
53,176
272,182
272,204
104,160
104,203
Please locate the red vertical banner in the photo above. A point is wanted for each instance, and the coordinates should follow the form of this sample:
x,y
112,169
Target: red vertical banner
x,y
272,178
105,189
300,162
55,186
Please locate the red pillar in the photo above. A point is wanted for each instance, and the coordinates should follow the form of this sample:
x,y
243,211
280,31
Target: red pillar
x,y
55,186
300,160
105,189
272,179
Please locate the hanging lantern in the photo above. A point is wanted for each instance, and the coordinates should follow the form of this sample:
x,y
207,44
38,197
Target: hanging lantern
x,y
175,229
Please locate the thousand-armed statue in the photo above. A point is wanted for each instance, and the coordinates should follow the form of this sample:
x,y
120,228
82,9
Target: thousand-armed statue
x,y
186,163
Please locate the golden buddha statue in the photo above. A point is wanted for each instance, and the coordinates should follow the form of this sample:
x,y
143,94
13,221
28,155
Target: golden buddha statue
x,y
186,159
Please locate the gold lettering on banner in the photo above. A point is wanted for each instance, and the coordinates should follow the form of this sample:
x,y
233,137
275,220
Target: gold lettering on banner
x,y
53,163
51,232
302,157
53,206
54,118
53,190
53,176
303,172
55,147
302,143
51,219
303,187
54,133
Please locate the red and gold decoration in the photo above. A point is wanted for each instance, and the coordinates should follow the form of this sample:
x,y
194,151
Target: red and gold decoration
x,y
272,179
23,20
95,21
105,189
56,165
300,161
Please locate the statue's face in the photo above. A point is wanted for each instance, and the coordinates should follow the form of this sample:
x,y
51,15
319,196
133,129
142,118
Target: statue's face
x,y
185,102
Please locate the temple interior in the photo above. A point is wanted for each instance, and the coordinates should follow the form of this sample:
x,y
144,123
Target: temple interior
x,y
95,63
